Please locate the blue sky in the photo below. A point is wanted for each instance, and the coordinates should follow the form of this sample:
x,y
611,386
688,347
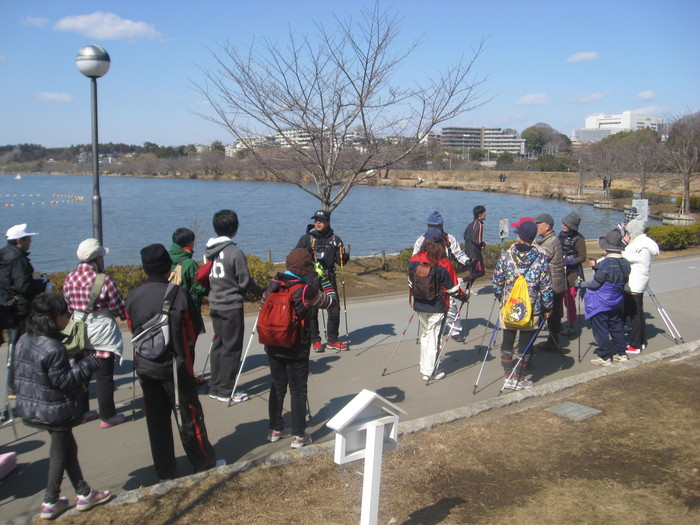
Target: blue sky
x,y
547,61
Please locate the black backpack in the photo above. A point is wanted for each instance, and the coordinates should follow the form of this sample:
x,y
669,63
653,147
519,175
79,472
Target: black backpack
x,y
424,283
153,341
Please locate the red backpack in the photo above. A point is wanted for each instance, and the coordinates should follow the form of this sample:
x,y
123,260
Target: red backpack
x,y
278,322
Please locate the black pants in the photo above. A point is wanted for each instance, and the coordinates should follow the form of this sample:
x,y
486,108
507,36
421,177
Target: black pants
x,y
608,334
554,320
333,325
63,457
226,351
292,373
634,309
476,270
159,405
104,383
507,353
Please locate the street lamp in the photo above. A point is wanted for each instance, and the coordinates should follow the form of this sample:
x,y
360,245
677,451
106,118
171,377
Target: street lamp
x,y
93,62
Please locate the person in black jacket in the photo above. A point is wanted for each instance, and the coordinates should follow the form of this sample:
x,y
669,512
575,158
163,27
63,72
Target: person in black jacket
x,y
156,375
47,398
18,287
474,244
327,250
289,367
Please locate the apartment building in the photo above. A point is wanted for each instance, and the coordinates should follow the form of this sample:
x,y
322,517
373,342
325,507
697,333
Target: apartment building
x,y
491,139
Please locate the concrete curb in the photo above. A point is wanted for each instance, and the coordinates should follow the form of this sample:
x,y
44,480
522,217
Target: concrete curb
x,y
407,427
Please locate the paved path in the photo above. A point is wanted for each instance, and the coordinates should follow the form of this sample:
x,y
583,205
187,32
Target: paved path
x,y
119,458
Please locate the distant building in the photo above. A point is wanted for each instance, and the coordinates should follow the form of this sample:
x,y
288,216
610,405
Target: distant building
x,y
491,139
600,125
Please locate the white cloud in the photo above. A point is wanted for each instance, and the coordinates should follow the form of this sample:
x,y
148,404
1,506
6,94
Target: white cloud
x,y
592,97
49,96
33,21
107,26
651,110
534,99
646,95
583,56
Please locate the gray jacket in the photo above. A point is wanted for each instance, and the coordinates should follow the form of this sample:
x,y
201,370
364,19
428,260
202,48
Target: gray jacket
x,y
229,278
551,247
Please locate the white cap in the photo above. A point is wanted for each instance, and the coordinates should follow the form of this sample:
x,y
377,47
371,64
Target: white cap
x,y
90,249
18,231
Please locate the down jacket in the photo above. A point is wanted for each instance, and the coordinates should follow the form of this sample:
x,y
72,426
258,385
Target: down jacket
x,y
47,386
639,253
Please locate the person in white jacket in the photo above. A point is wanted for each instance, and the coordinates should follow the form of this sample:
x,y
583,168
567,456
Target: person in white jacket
x,y
639,252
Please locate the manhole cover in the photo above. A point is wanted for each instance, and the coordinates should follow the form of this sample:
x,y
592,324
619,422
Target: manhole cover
x,y
573,411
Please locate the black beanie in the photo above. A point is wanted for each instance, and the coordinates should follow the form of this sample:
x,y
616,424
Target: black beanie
x,y
155,259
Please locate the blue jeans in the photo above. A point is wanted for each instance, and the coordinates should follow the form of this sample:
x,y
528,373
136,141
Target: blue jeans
x,y
608,333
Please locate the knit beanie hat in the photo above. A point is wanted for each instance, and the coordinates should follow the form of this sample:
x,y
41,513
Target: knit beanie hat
x,y
527,231
434,219
635,228
155,260
572,221
435,235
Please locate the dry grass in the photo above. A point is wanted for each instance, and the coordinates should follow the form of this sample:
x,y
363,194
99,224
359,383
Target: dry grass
x,y
636,463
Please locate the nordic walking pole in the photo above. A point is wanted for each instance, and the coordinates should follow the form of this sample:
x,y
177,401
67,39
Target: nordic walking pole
x,y
488,351
206,361
667,319
397,344
308,407
133,384
537,332
488,322
342,282
245,354
579,327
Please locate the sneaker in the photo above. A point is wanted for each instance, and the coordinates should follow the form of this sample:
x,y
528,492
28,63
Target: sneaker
x,y
213,396
599,361
514,384
96,497
633,351
620,358
458,337
317,347
219,463
50,511
90,415
113,421
300,441
239,397
437,377
273,436
337,345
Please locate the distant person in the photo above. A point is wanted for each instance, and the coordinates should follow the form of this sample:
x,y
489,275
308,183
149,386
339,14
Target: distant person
x,y
639,252
47,389
432,311
18,287
604,300
551,247
181,251
162,390
104,336
474,244
454,321
327,250
573,246
289,367
522,258
230,280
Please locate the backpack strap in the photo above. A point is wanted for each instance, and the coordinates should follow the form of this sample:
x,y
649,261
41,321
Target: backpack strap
x,y
96,289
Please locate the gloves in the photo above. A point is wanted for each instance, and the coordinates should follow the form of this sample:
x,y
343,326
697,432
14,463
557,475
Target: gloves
x,y
462,284
47,283
578,282
569,260
318,268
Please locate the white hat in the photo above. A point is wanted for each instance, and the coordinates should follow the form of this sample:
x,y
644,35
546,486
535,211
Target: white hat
x,y
18,231
90,249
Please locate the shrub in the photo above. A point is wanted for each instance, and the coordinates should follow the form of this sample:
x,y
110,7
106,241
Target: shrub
x,y
399,262
659,198
619,193
672,238
260,271
492,252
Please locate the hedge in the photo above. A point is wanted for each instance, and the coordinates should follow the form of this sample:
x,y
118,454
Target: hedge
x,y
130,276
672,238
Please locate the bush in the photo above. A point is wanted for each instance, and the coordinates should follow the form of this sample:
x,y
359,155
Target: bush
x,y
399,262
492,253
619,193
659,198
694,202
260,271
672,238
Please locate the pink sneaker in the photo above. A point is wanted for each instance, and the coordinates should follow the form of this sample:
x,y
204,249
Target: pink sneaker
x,y
51,511
96,497
118,419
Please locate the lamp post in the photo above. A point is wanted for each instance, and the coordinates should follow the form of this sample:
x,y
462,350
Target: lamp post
x,y
93,62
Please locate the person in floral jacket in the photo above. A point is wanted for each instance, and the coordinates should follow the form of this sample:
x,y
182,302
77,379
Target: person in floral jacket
x,y
533,265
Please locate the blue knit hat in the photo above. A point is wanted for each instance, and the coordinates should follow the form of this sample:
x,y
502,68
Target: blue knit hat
x,y
434,219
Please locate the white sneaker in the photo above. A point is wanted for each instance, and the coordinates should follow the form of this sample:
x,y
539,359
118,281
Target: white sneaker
x,y
300,441
514,384
599,361
239,397
620,358
437,377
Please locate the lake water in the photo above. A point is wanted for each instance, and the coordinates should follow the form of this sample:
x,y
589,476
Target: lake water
x,y
141,211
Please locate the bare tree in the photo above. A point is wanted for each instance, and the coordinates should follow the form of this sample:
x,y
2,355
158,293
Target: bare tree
x,y
683,151
331,103
642,155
